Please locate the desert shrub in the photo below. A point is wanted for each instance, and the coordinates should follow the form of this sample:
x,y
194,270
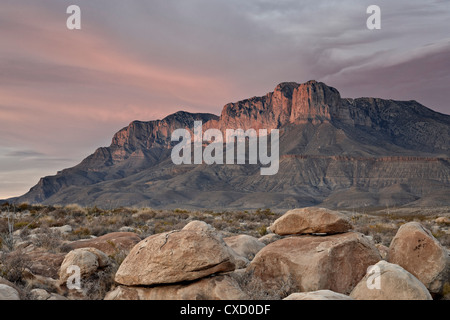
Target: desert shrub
x,y
257,290
146,214
75,210
12,266
82,232
99,284
262,230
95,211
47,239
181,211
23,207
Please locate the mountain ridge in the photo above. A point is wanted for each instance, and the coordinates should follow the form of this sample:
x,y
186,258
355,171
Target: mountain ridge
x,y
328,143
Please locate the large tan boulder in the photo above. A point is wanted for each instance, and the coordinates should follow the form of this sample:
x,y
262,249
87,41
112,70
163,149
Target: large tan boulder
x,y
388,281
111,243
311,220
87,259
244,245
96,274
318,295
180,255
416,250
222,287
311,263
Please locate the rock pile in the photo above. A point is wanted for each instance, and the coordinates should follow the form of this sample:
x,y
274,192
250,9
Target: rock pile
x,y
304,262
178,265
313,254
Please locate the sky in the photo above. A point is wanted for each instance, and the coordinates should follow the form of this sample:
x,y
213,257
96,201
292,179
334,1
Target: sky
x,y
64,93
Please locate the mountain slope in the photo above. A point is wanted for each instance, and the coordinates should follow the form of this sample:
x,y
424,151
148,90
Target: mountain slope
x,y
334,152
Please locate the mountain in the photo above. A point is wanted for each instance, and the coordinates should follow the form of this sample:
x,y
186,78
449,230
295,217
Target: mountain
x,y
334,152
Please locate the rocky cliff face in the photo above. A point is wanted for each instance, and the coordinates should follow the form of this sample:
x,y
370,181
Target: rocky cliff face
x,y
290,102
335,151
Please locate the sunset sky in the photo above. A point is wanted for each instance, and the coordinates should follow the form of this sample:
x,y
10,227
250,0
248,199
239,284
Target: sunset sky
x,y
63,93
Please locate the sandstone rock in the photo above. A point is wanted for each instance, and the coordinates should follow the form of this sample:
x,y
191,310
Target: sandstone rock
x,y
199,226
8,293
127,229
181,255
66,229
318,295
12,285
311,220
416,250
222,287
87,259
39,294
244,245
442,220
111,243
311,263
395,283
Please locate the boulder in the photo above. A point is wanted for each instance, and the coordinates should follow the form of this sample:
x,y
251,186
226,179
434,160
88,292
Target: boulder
x,y
66,229
416,250
442,220
311,263
244,245
96,274
181,255
8,293
39,294
87,259
311,220
318,295
12,285
111,243
44,263
127,229
200,226
394,283
222,287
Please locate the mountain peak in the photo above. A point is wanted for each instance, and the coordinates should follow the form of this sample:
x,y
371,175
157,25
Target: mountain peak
x,y
290,102
372,150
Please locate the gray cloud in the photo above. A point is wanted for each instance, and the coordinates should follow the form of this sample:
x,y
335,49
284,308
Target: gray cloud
x,y
24,154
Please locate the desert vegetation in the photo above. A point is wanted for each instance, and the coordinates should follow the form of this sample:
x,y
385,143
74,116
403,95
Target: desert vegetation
x,y
30,233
